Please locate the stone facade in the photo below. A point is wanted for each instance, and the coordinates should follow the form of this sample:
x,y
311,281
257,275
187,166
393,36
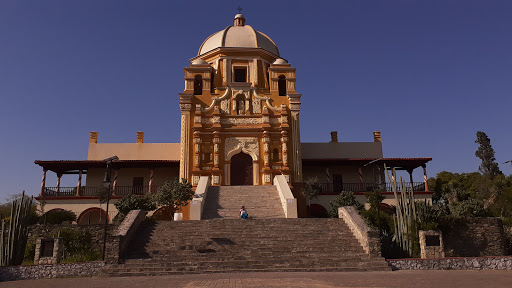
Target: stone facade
x,y
49,230
56,251
120,239
470,263
368,238
474,237
86,269
431,244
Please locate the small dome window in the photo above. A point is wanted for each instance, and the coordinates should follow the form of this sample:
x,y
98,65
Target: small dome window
x,y
198,85
281,83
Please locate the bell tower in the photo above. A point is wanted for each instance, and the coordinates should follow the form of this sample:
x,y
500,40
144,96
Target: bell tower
x,y
240,111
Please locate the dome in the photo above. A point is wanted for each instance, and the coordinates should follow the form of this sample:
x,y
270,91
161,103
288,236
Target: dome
x,y
199,62
280,61
239,35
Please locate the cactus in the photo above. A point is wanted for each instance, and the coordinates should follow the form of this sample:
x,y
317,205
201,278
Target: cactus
x,y
14,233
405,217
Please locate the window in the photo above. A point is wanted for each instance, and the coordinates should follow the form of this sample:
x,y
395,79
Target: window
x,y
138,185
198,85
282,85
275,155
241,74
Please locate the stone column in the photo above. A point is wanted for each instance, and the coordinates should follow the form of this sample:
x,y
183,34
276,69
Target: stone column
x,y
43,183
425,176
295,129
284,143
79,185
361,182
266,149
185,106
197,151
59,175
150,180
114,184
216,149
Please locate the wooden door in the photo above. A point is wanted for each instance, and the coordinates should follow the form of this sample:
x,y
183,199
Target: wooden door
x,y
241,169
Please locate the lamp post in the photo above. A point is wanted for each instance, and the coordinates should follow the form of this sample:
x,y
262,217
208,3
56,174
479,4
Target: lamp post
x,y
106,182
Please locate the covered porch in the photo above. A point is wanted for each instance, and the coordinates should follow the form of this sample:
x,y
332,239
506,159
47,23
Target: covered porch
x,y
122,172
369,172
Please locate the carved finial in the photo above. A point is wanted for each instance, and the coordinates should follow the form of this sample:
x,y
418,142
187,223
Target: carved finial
x,y
239,9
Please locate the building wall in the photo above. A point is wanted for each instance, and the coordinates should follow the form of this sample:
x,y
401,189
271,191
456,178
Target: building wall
x,y
347,150
135,151
350,174
125,176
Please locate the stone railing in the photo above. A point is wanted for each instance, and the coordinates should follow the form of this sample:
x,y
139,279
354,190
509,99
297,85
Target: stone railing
x,y
121,238
453,263
368,238
197,203
288,202
85,269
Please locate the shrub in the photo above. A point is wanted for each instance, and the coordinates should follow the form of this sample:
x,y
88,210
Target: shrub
x,y
175,194
469,208
133,202
77,246
344,199
57,217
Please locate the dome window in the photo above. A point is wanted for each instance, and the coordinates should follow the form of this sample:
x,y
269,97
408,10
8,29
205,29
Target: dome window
x,y
240,74
281,83
198,85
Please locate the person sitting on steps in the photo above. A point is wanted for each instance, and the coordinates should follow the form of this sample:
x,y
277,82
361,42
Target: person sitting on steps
x,y
243,213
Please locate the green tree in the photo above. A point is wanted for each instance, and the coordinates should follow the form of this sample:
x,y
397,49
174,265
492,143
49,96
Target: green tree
x,y
175,194
311,190
344,199
134,202
485,152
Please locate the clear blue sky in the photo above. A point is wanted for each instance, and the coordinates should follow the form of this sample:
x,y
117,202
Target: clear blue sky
x,y
428,74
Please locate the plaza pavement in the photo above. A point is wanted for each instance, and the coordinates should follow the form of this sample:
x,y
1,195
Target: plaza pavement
x,y
451,279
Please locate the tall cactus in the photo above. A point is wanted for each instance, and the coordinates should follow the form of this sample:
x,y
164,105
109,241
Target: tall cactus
x,y
14,233
405,216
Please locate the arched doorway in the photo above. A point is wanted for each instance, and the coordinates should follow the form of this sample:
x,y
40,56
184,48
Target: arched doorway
x,y
241,169
93,216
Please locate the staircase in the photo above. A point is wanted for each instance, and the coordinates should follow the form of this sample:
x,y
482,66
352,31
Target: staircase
x,y
261,202
229,245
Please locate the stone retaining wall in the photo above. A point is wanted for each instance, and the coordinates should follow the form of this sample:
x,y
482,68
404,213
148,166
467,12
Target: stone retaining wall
x,y
85,269
474,237
368,238
466,263
96,232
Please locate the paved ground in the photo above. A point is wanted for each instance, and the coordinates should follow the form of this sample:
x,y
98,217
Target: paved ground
x,y
449,279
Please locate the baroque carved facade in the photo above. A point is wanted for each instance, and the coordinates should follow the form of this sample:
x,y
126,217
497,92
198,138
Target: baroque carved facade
x,y
247,104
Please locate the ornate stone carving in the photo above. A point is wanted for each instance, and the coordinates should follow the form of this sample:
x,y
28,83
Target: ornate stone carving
x,y
195,180
256,106
224,106
206,168
216,119
238,121
267,178
185,106
275,121
197,119
294,106
246,144
276,167
217,100
206,121
216,180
